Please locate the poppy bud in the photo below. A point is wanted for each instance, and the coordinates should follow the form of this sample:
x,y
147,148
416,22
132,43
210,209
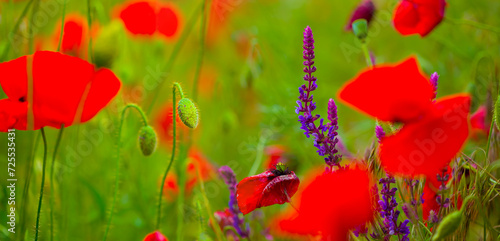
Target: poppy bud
x,y
147,140
155,236
364,10
188,112
107,44
448,226
496,113
360,28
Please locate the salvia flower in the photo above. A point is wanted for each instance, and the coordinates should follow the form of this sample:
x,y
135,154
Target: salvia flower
x,y
233,213
325,134
66,90
388,211
433,132
155,236
275,186
434,82
364,10
418,16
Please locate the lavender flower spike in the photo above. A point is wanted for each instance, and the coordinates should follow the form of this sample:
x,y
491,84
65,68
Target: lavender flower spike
x,y
434,82
325,135
229,178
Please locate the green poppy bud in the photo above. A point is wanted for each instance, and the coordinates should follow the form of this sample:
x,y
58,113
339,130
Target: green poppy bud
x,y
448,226
360,28
147,140
188,112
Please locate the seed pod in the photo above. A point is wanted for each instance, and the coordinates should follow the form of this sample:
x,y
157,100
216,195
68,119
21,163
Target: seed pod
x,y
147,140
448,226
188,112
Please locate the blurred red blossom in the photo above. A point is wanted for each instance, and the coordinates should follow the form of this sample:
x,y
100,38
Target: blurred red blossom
x,y
65,90
164,124
150,17
330,205
418,16
155,236
478,123
275,186
395,93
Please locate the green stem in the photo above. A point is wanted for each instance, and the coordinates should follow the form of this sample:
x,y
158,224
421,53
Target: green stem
x,y
473,24
117,174
62,27
368,59
174,54
31,32
89,23
52,185
29,171
158,215
258,158
43,183
203,28
15,28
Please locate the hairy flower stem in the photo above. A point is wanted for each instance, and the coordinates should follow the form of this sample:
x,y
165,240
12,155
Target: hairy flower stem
x,y
62,26
25,198
42,185
368,59
203,30
14,29
89,23
117,173
174,110
52,184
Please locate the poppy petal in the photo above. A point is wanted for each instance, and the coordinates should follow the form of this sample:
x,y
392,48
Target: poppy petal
x,y
168,21
139,18
425,147
155,236
418,16
390,93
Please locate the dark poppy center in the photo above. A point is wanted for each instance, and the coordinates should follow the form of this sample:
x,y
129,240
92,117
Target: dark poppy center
x,y
22,99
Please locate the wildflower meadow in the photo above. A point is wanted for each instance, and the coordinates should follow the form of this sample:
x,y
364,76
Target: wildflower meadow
x,y
231,120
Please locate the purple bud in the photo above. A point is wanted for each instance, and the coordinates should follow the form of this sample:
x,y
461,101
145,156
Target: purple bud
x,y
379,132
364,10
434,82
229,178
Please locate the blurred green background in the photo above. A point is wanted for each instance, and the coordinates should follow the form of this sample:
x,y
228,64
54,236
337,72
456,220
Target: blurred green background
x,y
252,68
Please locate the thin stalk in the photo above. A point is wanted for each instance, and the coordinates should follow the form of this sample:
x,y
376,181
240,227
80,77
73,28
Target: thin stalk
x,y
52,185
258,158
117,174
43,183
174,54
158,214
30,28
368,59
89,23
473,24
203,28
15,28
62,27
29,171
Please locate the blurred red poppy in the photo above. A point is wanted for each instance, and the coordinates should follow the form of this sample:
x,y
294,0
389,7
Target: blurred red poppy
x,y
155,236
395,93
149,17
418,16
165,125
430,193
275,155
73,38
425,147
331,205
478,123
65,90
271,187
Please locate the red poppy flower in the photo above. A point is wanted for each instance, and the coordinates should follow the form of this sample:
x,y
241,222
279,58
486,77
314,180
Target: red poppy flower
x,y
74,35
426,146
155,236
226,219
430,193
66,90
271,187
147,18
332,204
275,155
165,125
390,92
418,16
478,123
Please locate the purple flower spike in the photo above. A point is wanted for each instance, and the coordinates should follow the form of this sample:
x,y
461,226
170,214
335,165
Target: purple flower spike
x,y
364,10
379,132
434,82
325,135
388,211
229,178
